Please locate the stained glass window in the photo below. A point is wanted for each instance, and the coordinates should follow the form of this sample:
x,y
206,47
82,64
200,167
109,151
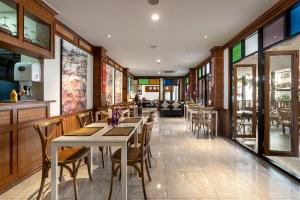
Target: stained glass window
x,y
208,68
237,52
143,81
295,19
274,32
251,44
199,72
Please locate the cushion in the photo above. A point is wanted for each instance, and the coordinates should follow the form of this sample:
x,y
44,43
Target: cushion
x,y
176,104
165,105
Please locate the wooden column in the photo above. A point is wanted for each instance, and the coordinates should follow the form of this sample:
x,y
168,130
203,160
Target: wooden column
x,y
99,58
125,84
217,72
192,84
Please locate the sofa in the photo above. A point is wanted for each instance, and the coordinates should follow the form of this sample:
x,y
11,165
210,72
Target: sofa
x,y
171,108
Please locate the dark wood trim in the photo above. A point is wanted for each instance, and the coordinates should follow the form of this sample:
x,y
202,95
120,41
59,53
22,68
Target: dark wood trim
x,y
294,104
68,34
269,15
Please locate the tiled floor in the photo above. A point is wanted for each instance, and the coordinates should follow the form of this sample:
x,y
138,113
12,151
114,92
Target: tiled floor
x,y
183,168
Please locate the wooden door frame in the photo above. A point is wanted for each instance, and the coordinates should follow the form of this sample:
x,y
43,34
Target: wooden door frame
x,y
254,117
294,103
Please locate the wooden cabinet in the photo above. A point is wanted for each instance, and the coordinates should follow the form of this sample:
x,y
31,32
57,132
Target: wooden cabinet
x,y
20,146
27,27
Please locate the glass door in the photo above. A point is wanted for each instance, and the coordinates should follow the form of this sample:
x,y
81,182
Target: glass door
x,y
245,112
281,129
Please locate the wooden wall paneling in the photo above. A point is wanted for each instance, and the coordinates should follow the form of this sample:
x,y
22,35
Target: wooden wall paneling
x,y
125,84
192,83
99,58
68,34
217,72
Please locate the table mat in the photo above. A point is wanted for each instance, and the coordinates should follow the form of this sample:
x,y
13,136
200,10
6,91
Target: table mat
x,y
119,131
102,121
131,120
86,131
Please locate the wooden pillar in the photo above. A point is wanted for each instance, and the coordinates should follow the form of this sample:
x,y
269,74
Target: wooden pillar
x,y
125,84
192,84
99,59
217,72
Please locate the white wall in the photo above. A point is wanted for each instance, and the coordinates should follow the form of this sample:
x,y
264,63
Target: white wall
x,y
226,77
52,79
149,95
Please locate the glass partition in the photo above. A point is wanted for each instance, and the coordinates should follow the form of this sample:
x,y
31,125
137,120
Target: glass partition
x,y
36,31
274,32
245,102
8,17
281,134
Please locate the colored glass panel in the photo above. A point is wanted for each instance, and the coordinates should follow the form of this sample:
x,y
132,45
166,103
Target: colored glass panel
x,y
143,81
154,82
274,32
295,19
237,52
208,68
199,72
251,44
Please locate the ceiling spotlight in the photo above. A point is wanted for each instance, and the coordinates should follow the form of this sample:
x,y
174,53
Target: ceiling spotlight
x,y
205,36
158,61
191,55
155,17
108,35
158,72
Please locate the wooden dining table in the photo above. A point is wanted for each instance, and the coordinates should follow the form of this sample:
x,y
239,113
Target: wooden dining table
x,y
97,139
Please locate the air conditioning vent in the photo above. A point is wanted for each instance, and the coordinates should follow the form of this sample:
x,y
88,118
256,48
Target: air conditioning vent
x,y
153,2
169,71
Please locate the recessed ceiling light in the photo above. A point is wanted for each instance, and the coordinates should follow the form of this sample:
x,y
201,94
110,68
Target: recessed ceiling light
x,y
191,55
158,72
108,35
155,17
158,61
205,36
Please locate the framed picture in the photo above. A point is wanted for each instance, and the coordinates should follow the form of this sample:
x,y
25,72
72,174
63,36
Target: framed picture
x,y
73,78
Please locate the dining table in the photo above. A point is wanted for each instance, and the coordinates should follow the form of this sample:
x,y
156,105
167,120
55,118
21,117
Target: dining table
x,y
102,137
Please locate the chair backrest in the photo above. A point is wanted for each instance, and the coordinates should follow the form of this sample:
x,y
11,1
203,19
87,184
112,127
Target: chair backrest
x,y
42,128
146,136
85,118
284,115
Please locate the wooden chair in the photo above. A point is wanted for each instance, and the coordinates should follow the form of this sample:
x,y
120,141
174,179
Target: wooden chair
x,y
86,118
66,156
137,157
285,119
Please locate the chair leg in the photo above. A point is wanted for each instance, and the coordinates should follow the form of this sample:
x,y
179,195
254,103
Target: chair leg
x,y
86,160
75,180
111,180
143,181
148,156
60,173
150,153
147,168
102,155
283,128
42,184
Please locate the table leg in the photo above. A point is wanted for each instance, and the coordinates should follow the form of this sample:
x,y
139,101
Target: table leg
x,y
124,172
54,187
91,159
217,123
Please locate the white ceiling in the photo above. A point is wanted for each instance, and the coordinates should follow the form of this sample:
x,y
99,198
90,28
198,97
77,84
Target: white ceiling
x,y
179,32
